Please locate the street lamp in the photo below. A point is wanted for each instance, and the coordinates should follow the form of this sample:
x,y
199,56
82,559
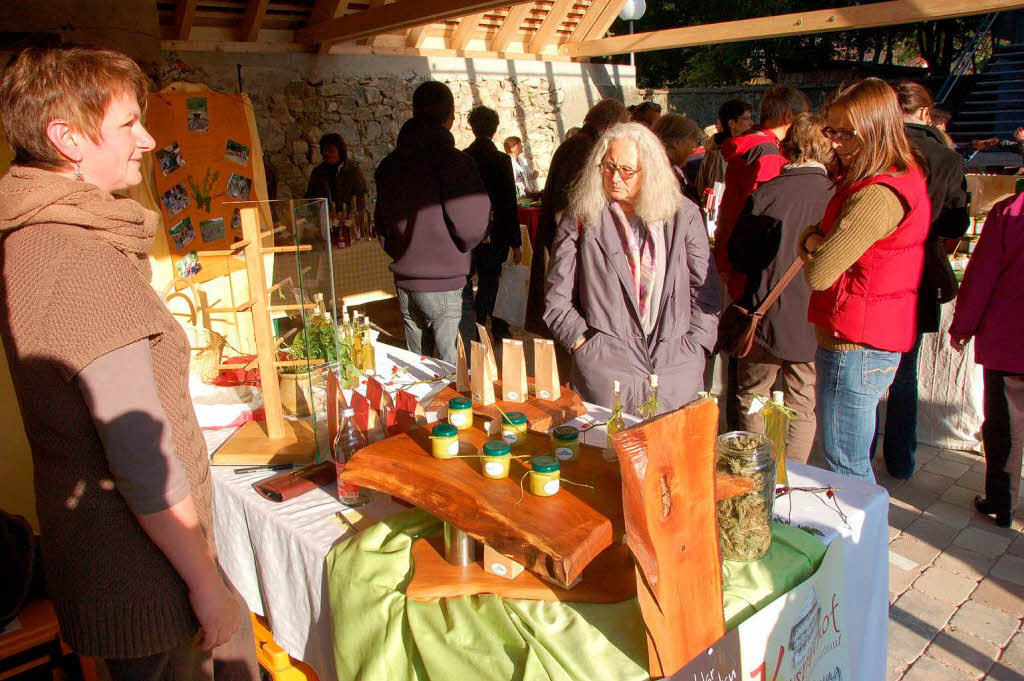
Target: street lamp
x,y
632,11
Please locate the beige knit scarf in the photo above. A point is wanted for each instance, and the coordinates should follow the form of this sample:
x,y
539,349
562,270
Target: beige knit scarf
x,y
31,197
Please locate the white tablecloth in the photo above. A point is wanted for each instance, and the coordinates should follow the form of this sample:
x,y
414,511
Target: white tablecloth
x,y
274,552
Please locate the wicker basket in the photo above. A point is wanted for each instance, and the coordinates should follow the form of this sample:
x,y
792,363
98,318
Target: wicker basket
x,y
207,347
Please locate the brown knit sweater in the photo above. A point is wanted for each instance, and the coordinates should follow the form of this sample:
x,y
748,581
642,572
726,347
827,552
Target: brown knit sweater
x,y
73,289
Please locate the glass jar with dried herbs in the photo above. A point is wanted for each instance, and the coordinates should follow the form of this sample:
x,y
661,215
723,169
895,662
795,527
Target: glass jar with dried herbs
x,y
745,520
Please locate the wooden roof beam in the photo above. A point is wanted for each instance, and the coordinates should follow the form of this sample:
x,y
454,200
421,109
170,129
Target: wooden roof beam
x,y
799,23
394,17
255,12
464,31
603,20
556,15
325,10
416,35
509,27
184,14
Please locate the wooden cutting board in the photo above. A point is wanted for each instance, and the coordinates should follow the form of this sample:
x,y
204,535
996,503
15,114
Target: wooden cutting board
x,y
542,415
555,536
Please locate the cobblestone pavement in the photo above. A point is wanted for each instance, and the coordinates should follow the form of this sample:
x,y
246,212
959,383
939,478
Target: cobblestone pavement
x,y
956,580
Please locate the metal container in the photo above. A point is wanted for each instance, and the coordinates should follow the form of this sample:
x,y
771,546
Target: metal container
x,y
459,547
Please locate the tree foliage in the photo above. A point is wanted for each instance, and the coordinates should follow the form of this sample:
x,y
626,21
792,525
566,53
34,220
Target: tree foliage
x,y
936,42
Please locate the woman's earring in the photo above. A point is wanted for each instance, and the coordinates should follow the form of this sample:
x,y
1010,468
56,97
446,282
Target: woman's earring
x,y
79,177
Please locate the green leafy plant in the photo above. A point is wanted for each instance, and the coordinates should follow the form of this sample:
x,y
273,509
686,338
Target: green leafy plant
x,y
320,339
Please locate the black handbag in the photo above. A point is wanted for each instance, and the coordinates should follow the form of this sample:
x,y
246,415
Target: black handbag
x,y
738,325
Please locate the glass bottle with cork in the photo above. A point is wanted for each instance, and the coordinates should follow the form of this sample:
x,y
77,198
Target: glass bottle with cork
x,y
776,426
347,442
615,421
649,409
369,358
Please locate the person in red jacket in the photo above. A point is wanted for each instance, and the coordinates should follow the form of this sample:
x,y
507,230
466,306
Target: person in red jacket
x,y
988,309
863,264
752,159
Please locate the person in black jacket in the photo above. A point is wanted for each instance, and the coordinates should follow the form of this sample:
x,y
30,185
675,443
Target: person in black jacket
x,y
503,234
432,210
338,178
762,246
947,191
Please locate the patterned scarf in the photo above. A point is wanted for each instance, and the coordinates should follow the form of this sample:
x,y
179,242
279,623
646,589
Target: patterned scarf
x,y
641,258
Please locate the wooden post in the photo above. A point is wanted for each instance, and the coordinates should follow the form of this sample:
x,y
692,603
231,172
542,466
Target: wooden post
x,y
545,370
264,335
482,378
485,338
461,370
514,387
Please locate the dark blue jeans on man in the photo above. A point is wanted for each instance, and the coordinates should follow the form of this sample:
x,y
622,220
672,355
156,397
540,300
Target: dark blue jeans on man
x,y
848,386
433,320
900,440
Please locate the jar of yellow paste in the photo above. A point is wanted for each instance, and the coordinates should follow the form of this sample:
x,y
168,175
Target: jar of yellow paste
x,y
544,478
460,412
566,441
513,428
444,441
497,456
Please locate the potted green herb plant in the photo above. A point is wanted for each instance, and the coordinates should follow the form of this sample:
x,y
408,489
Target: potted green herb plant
x,y
319,339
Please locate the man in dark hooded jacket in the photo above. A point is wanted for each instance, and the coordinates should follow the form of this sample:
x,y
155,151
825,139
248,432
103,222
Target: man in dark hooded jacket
x,y
432,210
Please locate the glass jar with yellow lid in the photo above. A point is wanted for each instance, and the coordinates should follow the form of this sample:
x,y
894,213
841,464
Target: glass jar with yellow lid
x,y
497,457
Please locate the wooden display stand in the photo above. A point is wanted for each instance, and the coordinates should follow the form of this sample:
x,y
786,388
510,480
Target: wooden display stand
x,y
274,440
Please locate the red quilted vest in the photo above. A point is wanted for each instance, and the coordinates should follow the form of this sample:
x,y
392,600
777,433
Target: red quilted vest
x,y
874,302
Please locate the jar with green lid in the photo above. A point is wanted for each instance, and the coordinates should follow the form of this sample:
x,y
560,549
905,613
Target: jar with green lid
x,y
460,412
544,476
513,428
745,521
497,457
566,441
444,441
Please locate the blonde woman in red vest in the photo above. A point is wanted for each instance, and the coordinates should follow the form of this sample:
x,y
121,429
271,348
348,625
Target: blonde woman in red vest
x,y
863,263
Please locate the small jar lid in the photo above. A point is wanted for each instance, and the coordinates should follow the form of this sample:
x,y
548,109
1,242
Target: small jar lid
x,y
496,448
460,403
444,430
566,433
516,418
545,464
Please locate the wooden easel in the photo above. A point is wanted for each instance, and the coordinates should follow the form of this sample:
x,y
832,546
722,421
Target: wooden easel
x,y
273,440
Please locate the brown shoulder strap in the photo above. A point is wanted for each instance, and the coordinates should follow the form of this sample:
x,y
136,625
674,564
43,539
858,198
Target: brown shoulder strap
x,y
774,294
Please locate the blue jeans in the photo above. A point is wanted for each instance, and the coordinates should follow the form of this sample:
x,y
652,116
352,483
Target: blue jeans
x,y
849,385
433,319
900,441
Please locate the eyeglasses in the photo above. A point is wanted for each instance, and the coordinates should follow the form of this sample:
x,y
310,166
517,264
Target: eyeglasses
x,y
838,134
625,172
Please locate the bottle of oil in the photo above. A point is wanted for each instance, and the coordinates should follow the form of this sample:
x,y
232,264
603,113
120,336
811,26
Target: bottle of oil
x,y
357,341
615,421
369,364
649,409
776,425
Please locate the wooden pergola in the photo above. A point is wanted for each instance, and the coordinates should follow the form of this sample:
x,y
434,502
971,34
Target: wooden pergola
x,y
549,30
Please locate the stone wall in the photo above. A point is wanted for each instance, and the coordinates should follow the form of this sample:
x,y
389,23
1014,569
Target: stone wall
x,y
366,101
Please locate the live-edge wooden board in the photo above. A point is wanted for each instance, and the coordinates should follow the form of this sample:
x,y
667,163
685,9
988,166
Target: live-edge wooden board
x,y
553,536
542,415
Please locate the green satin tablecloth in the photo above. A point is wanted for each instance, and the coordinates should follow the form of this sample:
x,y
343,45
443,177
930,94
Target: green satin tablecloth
x,y
380,634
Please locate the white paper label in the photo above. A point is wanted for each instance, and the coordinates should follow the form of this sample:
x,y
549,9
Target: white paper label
x,y
563,453
510,436
494,468
499,569
551,486
457,419
544,394
756,405
513,395
453,448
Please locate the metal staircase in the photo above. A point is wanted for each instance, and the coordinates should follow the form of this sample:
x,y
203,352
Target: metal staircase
x,y
995,105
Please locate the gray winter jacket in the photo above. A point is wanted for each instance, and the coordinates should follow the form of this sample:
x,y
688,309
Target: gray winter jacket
x,y
589,293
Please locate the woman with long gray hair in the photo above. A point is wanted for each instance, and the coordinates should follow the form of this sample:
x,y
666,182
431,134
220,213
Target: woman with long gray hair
x,y
631,287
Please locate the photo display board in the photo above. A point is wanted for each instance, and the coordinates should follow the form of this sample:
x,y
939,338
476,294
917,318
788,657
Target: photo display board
x,y
201,164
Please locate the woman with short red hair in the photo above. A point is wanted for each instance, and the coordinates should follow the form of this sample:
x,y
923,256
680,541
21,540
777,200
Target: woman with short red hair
x,y
100,369
863,263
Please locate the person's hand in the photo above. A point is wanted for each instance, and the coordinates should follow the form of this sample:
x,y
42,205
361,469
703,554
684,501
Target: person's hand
x,y
217,609
1018,134
536,174
517,256
958,342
